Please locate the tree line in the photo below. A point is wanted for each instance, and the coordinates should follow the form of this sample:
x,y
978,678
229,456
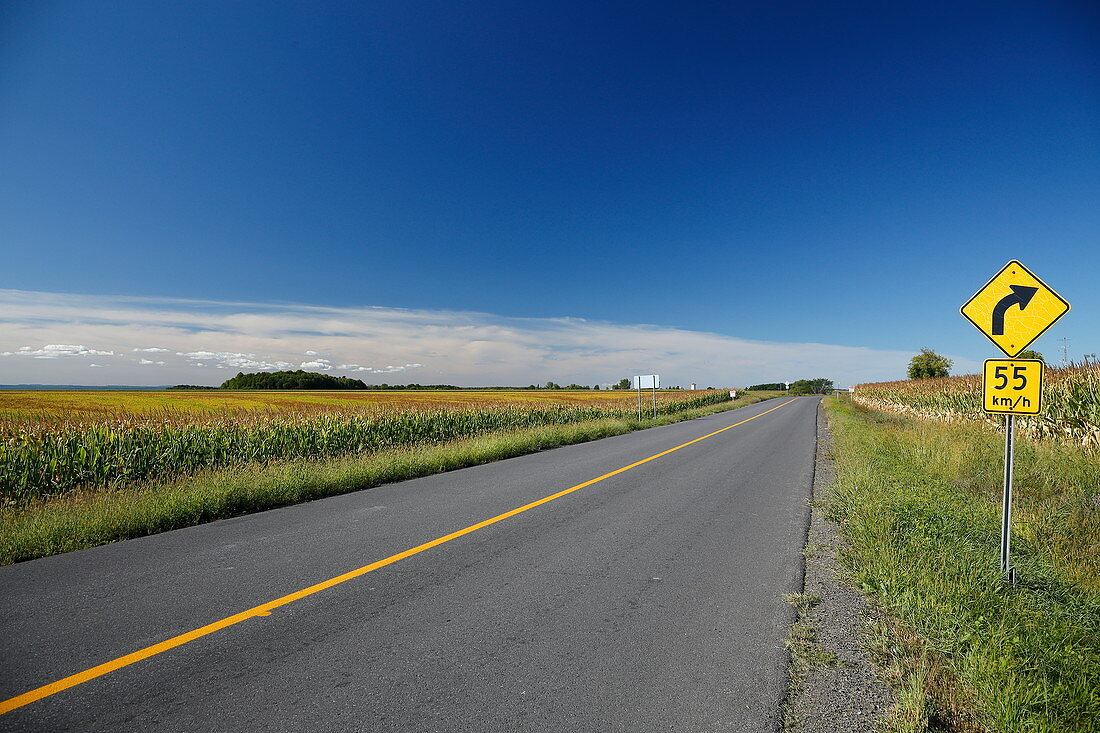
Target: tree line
x,y
300,379
297,379
800,386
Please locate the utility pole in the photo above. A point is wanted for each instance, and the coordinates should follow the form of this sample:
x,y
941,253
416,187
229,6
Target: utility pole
x,y
1065,351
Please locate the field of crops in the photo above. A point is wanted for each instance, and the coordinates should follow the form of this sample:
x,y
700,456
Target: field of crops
x,y
1071,398
54,442
70,406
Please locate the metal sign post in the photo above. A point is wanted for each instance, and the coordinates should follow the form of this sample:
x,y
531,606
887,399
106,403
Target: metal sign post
x,y
643,381
1007,571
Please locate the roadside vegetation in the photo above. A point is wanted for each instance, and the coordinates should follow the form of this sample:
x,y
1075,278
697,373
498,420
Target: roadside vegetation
x,y
57,458
66,490
1071,398
919,501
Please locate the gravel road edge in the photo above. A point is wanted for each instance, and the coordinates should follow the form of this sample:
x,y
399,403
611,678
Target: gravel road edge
x,y
834,686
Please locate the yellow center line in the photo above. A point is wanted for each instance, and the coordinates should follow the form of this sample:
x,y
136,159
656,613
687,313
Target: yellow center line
x,y
265,609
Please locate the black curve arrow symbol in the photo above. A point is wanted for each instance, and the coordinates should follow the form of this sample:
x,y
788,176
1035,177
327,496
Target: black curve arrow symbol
x,y
1021,295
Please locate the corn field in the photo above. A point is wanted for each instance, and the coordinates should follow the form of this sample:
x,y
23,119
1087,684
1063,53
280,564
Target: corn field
x,y
42,460
1071,398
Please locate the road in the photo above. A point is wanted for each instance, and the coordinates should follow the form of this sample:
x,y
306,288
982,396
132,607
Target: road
x,y
648,600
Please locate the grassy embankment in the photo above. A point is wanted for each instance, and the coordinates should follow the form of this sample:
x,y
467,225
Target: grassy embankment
x,y
52,515
919,501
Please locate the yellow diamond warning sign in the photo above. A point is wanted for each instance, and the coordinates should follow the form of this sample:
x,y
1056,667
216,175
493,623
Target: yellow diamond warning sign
x,y
1014,308
1013,386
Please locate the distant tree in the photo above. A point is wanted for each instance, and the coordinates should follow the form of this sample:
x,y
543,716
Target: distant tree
x,y
811,386
624,383
770,386
576,386
552,385
595,386
928,364
1030,354
297,379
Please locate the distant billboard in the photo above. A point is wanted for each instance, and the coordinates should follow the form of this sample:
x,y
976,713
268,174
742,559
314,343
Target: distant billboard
x,y
647,381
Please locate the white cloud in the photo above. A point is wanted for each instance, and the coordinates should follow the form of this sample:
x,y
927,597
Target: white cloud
x,y
149,361
153,350
437,346
373,370
322,364
227,359
54,351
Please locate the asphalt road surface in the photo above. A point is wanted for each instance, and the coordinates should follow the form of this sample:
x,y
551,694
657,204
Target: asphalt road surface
x,y
648,600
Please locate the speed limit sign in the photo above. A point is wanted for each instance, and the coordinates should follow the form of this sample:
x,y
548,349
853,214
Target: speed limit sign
x,y
1013,386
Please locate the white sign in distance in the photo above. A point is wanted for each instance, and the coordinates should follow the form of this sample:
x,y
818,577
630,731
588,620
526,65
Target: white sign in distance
x,y
647,381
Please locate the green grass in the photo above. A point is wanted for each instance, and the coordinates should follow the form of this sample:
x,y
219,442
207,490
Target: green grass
x,y
91,517
919,502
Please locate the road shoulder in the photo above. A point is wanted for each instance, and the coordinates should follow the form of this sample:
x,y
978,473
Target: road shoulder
x,y
834,686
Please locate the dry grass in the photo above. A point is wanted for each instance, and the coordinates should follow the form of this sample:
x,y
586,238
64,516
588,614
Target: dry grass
x,y
1071,396
84,407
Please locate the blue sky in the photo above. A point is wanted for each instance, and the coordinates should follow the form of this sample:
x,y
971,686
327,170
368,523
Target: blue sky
x,y
842,174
